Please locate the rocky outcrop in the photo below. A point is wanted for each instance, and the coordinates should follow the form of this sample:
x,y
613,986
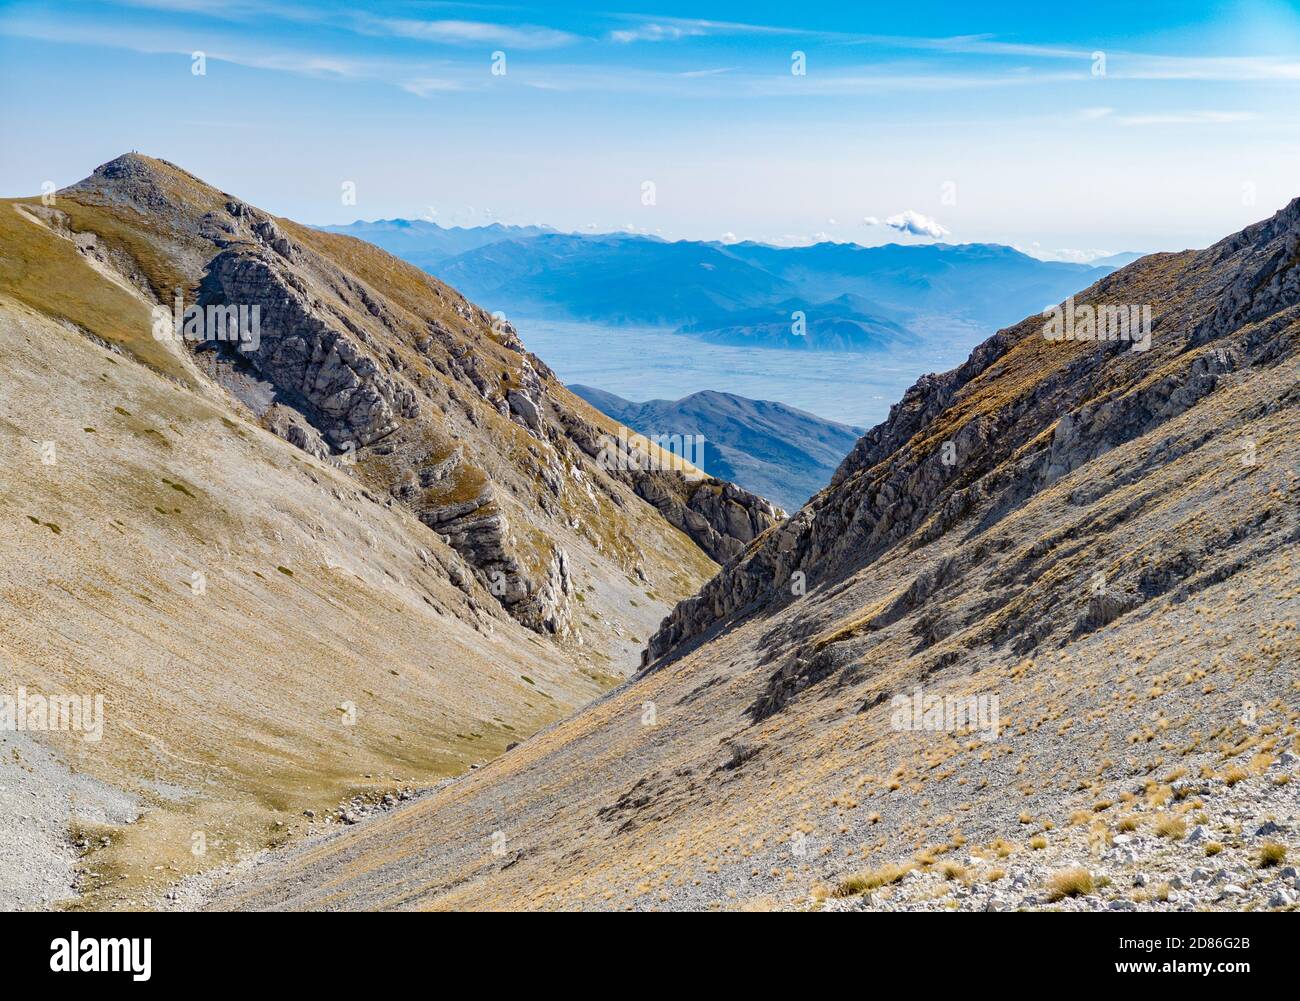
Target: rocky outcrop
x,y
1262,279
721,518
480,532
315,364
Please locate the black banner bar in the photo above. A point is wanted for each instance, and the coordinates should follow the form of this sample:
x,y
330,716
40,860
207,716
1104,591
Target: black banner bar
x,y
140,950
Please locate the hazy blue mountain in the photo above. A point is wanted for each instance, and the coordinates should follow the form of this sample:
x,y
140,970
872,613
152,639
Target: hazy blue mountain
x,y
426,244
613,279
845,323
774,450
853,297
1118,260
988,283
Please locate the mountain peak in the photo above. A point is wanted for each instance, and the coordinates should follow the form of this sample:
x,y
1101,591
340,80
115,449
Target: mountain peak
x,y
147,182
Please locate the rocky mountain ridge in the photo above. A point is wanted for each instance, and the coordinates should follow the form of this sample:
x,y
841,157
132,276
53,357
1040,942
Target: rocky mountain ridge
x,y
402,388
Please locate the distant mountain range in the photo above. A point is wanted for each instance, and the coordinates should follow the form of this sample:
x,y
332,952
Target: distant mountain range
x,y
427,245
845,323
777,451
830,296
1117,260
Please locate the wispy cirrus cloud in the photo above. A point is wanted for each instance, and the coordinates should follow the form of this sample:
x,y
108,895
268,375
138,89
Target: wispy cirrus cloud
x,y
404,63
428,86
1189,118
672,29
450,32
711,72
422,78
446,31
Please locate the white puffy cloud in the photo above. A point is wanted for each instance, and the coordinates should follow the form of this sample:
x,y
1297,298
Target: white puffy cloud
x,y
870,220
913,222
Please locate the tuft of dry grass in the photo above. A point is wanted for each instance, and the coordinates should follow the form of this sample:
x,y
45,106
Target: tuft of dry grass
x,y
1171,826
1212,849
1070,883
1038,843
872,879
1271,853
1235,774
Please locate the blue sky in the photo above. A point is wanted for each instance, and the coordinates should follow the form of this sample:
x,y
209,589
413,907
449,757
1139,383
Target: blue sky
x,y
962,121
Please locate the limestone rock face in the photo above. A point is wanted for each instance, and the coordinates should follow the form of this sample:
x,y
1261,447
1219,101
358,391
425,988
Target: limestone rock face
x,y
720,517
315,362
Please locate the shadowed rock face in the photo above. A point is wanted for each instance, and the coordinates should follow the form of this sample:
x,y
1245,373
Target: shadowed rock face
x,y
409,385
336,384
720,517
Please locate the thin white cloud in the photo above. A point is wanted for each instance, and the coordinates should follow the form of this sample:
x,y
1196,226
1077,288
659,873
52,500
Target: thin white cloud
x,y
1066,255
880,80
419,76
415,77
1124,66
524,36
652,32
1189,118
915,224
427,86
673,29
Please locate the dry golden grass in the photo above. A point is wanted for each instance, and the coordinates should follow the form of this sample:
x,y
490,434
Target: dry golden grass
x,y
952,870
1076,882
43,270
1271,853
1170,826
872,879
1234,775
